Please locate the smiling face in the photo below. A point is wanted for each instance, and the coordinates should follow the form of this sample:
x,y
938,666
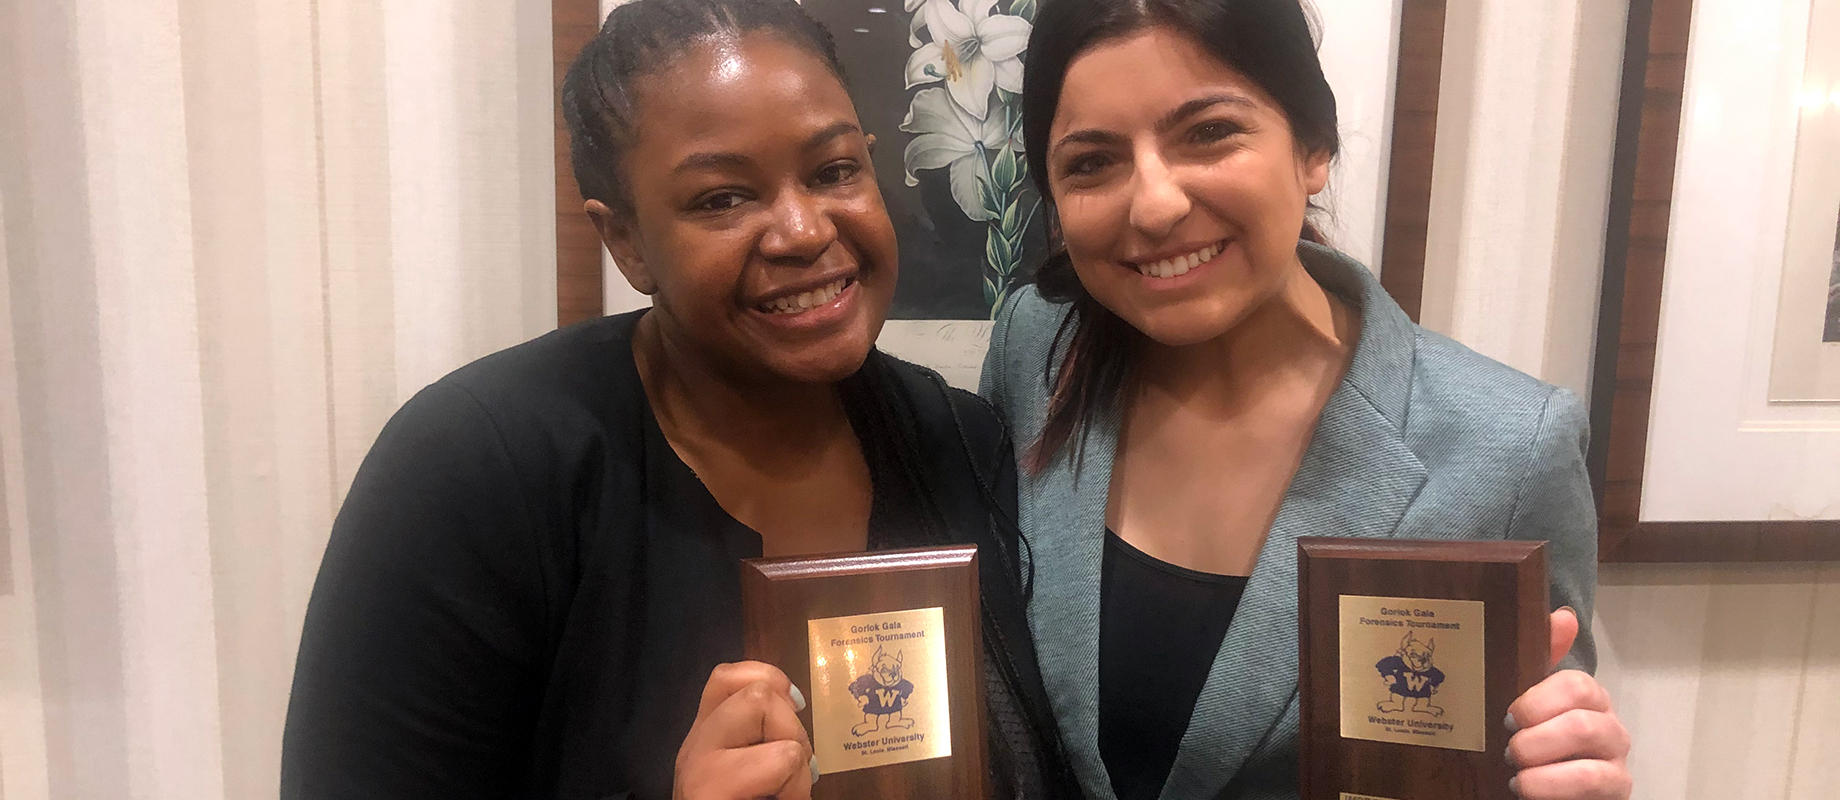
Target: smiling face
x,y
886,668
1417,654
1179,183
756,222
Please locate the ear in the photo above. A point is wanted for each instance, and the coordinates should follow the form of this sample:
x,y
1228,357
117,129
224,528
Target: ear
x,y
1314,171
1430,646
621,238
1406,642
898,655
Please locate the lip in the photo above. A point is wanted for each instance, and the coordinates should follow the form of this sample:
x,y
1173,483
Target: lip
x,y
802,287
1172,252
1194,274
840,308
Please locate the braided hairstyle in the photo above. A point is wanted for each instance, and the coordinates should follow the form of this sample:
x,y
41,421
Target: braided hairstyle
x,y
641,38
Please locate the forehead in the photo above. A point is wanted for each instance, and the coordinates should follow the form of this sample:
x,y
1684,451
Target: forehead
x,y
1133,80
729,89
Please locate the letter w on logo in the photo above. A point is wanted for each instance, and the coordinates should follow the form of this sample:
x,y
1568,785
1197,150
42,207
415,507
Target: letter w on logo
x,y
1416,682
888,697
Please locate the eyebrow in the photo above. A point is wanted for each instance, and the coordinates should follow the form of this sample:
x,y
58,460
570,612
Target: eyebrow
x,y
1201,104
1103,137
722,160
830,132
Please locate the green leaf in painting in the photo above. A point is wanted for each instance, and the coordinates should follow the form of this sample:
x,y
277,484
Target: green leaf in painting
x,y
1003,172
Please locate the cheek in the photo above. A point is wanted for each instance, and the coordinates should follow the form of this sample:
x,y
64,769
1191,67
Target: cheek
x,y
1091,227
698,271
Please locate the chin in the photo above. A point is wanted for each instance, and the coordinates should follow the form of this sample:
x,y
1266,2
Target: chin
x,y
825,362
1184,324
1178,333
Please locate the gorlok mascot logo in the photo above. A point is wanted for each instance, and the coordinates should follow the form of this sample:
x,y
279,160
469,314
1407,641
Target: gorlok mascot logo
x,y
1410,678
882,693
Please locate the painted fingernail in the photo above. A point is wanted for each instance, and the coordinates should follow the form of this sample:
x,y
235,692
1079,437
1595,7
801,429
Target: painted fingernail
x,y
798,702
1509,723
814,768
1514,785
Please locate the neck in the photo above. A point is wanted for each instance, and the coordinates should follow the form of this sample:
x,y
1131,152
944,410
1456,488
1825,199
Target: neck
x,y
701,403
1300,334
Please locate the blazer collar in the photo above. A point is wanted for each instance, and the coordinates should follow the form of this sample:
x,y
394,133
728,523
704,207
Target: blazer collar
x,y
1356,479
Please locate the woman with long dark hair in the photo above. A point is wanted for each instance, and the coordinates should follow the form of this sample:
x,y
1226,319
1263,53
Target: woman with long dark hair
x,y
1195,381
533,587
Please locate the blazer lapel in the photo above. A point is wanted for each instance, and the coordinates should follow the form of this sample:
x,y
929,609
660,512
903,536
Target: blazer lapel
x,y
1357,479
1065,511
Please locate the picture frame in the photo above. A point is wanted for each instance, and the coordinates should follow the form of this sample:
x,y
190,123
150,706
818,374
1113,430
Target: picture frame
x,y
1652,396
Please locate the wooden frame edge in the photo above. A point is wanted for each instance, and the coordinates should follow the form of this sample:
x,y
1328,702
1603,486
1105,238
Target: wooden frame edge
x,y
1629,320
1419,72
573,23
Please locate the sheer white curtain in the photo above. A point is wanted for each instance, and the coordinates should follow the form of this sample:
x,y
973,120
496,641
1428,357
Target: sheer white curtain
x,y
237,235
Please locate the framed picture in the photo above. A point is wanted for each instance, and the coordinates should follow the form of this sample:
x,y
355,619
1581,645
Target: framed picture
x,y
938,83
1805,366
1719,274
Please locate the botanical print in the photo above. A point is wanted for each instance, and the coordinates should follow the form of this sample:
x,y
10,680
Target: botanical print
x,y
973,126
1832,331
940,88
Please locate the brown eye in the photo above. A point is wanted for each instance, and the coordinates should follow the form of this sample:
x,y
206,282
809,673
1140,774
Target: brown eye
x,y
718,201
1084,165
1213,131
838,172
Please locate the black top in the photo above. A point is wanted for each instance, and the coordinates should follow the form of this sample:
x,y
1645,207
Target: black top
x,y
1160,627
526,589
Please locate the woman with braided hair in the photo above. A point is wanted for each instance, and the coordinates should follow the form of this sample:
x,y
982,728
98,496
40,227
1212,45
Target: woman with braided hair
x,y
533,587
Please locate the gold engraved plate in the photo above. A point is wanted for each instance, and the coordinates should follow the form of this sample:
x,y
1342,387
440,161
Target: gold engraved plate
x,y
1353,796
1412,671
879,689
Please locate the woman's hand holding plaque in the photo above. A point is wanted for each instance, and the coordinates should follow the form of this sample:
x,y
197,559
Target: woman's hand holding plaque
x,y
747,741
1567,742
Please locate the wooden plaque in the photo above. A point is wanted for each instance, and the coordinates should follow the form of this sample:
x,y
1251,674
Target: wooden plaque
x,y
887,647
1410,654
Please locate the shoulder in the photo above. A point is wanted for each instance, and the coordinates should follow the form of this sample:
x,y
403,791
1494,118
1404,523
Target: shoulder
x,y
1028,323
944,413
1017,368
582,364
543,410
1466,405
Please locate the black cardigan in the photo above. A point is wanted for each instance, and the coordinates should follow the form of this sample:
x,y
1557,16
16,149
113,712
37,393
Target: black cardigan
x,y
526,588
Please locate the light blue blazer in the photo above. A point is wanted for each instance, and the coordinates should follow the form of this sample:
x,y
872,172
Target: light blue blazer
x,y
1424,439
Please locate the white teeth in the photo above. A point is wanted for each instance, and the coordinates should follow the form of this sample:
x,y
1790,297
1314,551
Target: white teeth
x,y
1180,265
806,301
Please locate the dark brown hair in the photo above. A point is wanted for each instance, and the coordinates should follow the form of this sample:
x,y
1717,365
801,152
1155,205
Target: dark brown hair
x,y
1268,41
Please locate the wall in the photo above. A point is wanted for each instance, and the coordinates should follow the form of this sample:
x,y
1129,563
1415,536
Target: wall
x,y
236,236
1727,676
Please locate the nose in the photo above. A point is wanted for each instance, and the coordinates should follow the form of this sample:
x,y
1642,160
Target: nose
x,y
1157,201
800,230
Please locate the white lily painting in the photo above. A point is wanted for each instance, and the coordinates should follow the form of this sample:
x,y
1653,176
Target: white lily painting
x,y
967,120
939,84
